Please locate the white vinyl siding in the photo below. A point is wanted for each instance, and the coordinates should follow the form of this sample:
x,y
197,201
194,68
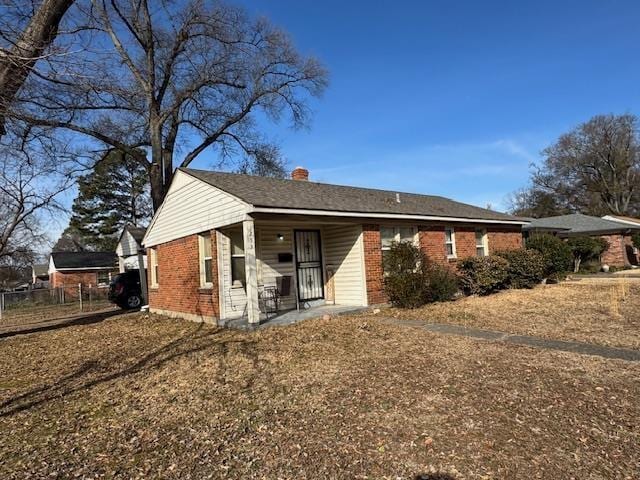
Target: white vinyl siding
x,y
127,246
269,265
344,255
192,206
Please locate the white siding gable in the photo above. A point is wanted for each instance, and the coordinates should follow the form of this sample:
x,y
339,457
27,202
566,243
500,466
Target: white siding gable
x,y
127,245
192,206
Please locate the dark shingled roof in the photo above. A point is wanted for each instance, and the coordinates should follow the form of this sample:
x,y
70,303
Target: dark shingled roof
x,y
577,223
64,260
297,194
136,232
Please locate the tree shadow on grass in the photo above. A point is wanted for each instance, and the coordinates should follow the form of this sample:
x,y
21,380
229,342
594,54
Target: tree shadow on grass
x,y
44,326
196,341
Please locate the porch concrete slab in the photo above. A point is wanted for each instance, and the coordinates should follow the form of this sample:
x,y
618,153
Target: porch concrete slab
x,y
294,316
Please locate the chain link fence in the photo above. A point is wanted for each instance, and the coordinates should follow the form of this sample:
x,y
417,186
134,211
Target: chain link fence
x,y
38,305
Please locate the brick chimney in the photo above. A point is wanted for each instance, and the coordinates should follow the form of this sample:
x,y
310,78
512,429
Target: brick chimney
x,y
300,173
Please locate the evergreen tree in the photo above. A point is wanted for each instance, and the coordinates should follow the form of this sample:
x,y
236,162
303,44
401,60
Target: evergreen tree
x,y
114,194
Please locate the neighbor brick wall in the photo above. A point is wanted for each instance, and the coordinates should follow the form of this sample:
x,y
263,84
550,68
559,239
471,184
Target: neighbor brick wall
x,y
373,264
178,289
616,254
70,280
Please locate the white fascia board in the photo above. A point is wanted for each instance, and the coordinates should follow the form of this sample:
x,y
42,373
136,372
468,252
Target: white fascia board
x,y
84,268
392,216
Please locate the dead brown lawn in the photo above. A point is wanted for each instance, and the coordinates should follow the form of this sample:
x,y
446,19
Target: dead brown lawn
x,y
603,313
350,397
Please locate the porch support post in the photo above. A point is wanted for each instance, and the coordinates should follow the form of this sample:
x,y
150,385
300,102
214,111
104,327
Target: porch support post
x,y
251,271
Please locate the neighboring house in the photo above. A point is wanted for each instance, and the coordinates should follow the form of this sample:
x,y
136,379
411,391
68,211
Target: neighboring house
x,y
623,219
620,253
40,275
220,239
68,269
129,244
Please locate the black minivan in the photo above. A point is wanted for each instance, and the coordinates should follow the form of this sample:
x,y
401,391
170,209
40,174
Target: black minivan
x,y
125,291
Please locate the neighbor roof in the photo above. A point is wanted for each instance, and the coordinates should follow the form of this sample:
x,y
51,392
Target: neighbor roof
x,y
136,232
305,195
577,223
40,269
80,260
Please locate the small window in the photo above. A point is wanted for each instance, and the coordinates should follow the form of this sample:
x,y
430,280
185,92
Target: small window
x,y
103,278
388,235
155,272
481,242
206,275
237,258
450,242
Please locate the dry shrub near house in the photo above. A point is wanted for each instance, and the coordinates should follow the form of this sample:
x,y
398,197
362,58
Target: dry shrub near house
x,y
483,275
526,267
411,280
556,252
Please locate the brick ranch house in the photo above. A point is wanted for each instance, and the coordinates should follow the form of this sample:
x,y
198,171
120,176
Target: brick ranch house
x,y
68,269
219,239
620,253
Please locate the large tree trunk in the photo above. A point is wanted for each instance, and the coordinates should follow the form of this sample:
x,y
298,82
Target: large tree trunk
x,y
16,64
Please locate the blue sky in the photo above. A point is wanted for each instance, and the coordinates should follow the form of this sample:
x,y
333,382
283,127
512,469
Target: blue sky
x,y
455,98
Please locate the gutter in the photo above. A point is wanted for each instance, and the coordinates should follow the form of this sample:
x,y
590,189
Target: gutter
x,y
396,216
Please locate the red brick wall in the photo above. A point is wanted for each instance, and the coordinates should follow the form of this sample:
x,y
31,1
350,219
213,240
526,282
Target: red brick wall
x,y
431,239
70,280
178,287
503,238
616,254
373,264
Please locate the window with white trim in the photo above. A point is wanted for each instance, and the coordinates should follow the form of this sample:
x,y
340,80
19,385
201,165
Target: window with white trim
x,y
103,278
206,258
450,242
238,278
482,243
153,253
389,235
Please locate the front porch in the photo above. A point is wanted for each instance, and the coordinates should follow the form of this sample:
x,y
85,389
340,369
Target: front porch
x,y
275,271
290,317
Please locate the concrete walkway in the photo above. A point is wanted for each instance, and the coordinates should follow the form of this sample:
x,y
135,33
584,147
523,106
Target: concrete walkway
x,y
529,341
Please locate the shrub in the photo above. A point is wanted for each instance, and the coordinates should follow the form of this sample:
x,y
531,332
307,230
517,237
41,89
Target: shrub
x,y
411,280
557,254
526,267
483,275
635,239
404,282
441,283
586,248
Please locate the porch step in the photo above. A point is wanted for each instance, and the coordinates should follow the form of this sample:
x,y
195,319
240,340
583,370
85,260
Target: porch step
x,y
314,303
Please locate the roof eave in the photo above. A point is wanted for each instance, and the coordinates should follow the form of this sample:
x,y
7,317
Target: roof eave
x,y
396,216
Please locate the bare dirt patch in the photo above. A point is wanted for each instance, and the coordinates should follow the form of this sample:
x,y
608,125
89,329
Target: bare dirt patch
x,y
351,397
603,313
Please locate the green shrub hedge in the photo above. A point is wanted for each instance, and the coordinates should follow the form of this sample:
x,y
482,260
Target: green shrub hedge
x,y
556,253
411,280
526,267
483,275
